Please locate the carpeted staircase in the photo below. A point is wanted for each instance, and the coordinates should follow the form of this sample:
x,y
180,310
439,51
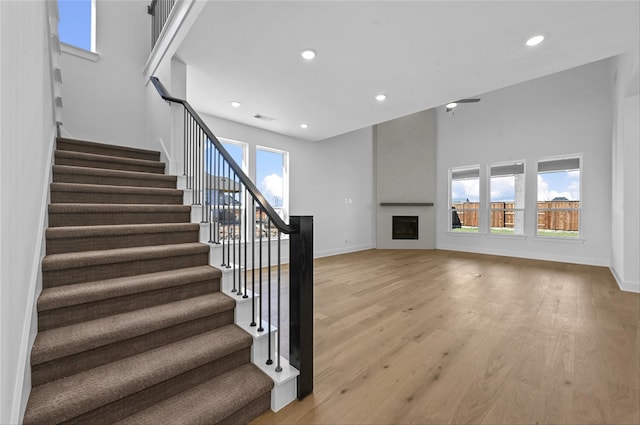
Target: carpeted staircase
x,y
132,325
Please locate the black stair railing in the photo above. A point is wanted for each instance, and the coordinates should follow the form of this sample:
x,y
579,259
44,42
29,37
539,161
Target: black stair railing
x,y
159,11
237,215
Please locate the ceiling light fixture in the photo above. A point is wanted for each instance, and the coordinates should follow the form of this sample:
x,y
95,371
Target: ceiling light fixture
x,y
235,104
304,126
451,105
535,40
381,97
308,54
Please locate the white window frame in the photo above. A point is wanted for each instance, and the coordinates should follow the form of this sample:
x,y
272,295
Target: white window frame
x,y
452,171
92,54
579,157
505,165
285,177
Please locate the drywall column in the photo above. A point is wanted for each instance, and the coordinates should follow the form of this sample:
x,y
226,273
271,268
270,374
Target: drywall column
x,y
405,158
625,204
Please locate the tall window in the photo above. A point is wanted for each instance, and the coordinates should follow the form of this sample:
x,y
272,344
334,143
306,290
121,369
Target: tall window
x,y
464,199
77,23
272,178
506,188
559,197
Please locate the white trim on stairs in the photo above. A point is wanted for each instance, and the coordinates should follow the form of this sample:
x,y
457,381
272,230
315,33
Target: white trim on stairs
x,y
30,321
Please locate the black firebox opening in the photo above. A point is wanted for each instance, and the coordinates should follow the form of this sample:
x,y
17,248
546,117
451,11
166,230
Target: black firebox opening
x,y
405,227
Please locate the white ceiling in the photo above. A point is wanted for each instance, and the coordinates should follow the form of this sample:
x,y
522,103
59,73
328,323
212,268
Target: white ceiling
x,y
422,54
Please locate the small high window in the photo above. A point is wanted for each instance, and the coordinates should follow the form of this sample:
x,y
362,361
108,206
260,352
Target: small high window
x,y
464,199
77,23
507,198
559,203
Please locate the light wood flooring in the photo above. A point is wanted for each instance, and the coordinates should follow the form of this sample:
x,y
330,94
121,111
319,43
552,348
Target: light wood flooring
x,y
439,337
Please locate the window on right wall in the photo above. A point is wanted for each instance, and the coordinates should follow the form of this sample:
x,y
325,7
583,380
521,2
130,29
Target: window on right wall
x,y
559,200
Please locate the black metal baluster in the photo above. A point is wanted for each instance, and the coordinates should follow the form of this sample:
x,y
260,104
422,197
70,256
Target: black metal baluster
x,y
203,175
279,366
185,130
218,190
232,200
253,261
245,209
236,236
260,329
269,359
211,192
228,213
187,159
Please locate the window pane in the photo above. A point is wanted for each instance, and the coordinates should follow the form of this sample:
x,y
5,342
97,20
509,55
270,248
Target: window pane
x,y
75,23
270,179
507,199
237,152
465,200
559,198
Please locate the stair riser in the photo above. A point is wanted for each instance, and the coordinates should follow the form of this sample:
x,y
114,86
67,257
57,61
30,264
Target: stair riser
x,y
79,362
59,177
61,277
89,311
141,400
96,219
114,198
110,165
248,413
94,243
100,149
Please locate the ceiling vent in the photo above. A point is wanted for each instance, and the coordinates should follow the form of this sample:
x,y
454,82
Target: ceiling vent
x,y
263,117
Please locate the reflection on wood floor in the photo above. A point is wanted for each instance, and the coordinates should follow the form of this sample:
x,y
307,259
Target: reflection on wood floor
x,y
438,337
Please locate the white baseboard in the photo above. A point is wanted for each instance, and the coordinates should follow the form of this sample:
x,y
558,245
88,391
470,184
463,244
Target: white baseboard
x,y
330,252
22,387
528,255
625,285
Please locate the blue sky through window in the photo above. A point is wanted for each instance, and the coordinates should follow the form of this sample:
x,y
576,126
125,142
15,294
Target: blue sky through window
x,y
559,184
75,23
270,175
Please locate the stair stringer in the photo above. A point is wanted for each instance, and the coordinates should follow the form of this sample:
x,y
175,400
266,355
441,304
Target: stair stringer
x,y
285,381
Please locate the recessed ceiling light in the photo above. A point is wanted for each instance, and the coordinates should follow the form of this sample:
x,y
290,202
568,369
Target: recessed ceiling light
x,y
535,40
304,126
235,104
381,97
452,105
308,54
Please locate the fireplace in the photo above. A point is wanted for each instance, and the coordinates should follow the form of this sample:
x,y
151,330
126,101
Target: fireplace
x,y
405,227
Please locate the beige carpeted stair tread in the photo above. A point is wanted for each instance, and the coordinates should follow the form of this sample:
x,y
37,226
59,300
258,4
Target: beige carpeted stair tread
x,y
231,392
72,339
118,229
114,162
100,188
107,176
73,260
80,293
70,208
76,145
70,397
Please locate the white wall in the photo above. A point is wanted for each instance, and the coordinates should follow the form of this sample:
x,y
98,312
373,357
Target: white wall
x,y
405,172
625,233
105,100
321,176
340,193
561,114
26,140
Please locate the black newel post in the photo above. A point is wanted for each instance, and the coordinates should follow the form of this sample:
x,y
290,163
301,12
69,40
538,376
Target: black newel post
x,y
301,302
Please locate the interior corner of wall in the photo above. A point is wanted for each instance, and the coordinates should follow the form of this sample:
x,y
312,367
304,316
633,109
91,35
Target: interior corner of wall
x,y
622,284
